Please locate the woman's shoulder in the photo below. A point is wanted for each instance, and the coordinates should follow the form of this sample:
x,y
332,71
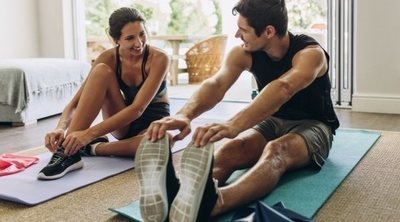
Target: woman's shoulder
x,y
158,53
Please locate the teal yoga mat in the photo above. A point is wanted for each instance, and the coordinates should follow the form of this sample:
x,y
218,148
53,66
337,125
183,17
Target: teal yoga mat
x,y
305,191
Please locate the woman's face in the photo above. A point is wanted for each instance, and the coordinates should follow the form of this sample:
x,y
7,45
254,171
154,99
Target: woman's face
x,y
133,38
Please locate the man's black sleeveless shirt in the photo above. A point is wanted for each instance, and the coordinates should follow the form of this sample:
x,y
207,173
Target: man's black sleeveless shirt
x,y
313,102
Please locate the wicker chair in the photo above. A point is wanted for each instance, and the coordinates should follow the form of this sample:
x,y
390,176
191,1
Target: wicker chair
x,y
205,57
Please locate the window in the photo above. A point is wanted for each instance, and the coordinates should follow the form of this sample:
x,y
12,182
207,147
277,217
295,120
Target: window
x,y
178,17
329,22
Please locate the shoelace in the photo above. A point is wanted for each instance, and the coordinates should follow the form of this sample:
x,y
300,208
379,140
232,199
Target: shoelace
x,y
219,193
57,157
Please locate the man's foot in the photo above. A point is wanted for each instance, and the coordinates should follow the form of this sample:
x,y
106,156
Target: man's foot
x,y
88,150
197,195
60,164
157,179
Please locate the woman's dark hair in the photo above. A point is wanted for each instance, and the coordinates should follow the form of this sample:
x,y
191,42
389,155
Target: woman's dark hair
x,y
261,13
120,17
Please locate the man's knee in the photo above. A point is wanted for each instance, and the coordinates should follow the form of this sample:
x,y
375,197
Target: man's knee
x,y
276,153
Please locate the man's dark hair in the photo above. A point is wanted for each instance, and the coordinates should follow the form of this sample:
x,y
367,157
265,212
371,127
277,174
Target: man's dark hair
x,y
120,17
261,13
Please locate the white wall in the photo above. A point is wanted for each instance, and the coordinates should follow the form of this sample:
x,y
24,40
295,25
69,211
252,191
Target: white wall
x,y
56,28
51,28
38,28
377,57
19,29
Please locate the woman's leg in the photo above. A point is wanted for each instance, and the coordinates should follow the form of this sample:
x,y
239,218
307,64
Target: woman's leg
x,y
101,91
126,147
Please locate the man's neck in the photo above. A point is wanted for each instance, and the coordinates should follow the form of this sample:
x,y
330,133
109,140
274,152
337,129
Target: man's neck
x,y
278,47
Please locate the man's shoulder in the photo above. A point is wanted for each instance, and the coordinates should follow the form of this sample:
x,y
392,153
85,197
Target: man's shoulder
x,y
303,40
239,52
238,55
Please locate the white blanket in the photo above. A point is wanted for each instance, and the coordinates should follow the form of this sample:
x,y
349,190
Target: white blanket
x,y
20,78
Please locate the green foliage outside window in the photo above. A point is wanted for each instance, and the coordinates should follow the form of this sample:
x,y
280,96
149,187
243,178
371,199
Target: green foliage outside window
x,y
218,14
97,14
178,22
302,13
186,18
147,12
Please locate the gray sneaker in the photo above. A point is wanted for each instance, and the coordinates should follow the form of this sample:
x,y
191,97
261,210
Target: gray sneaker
x,y
197,195
157,179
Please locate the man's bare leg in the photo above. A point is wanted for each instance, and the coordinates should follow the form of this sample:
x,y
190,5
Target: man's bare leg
x,y
239,153
280,155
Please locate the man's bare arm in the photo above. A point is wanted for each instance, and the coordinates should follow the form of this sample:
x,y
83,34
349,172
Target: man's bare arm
x,y
213,89
207,96
307,65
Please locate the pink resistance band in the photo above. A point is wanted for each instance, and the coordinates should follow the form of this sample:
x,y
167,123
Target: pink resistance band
x,y
12,163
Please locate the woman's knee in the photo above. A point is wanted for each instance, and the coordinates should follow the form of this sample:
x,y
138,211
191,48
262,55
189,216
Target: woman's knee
x,y
102,71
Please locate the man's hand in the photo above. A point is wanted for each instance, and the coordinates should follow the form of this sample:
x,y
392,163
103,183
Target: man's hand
x,y
213,133
54,139
75,141
158,128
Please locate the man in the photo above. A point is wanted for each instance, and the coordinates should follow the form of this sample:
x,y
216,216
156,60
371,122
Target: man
x,y
289,125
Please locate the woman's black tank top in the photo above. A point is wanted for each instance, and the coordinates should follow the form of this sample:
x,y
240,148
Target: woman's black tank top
x,y
130,92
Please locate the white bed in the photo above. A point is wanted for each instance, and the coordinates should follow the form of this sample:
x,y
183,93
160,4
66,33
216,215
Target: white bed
x,y
34,88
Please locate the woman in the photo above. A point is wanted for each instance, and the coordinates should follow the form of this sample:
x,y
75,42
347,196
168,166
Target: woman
x,y
127,83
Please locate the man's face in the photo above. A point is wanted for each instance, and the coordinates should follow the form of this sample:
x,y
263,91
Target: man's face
x,y
251,42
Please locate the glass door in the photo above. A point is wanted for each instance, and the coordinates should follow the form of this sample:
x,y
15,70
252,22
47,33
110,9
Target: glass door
x,y
340,46
329,22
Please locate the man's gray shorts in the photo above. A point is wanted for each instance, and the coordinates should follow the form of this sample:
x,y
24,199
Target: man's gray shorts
x,y
317,135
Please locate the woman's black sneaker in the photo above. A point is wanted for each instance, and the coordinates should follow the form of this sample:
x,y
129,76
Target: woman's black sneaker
x,y
60,164
87,150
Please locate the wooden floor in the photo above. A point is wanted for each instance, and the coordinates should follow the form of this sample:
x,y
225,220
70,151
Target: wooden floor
x,y
13,139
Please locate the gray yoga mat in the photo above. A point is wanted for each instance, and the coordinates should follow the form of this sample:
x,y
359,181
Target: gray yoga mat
x,y
23,187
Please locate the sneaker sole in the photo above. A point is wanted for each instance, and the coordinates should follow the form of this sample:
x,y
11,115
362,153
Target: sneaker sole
x,y
75,166
151,164
195,166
